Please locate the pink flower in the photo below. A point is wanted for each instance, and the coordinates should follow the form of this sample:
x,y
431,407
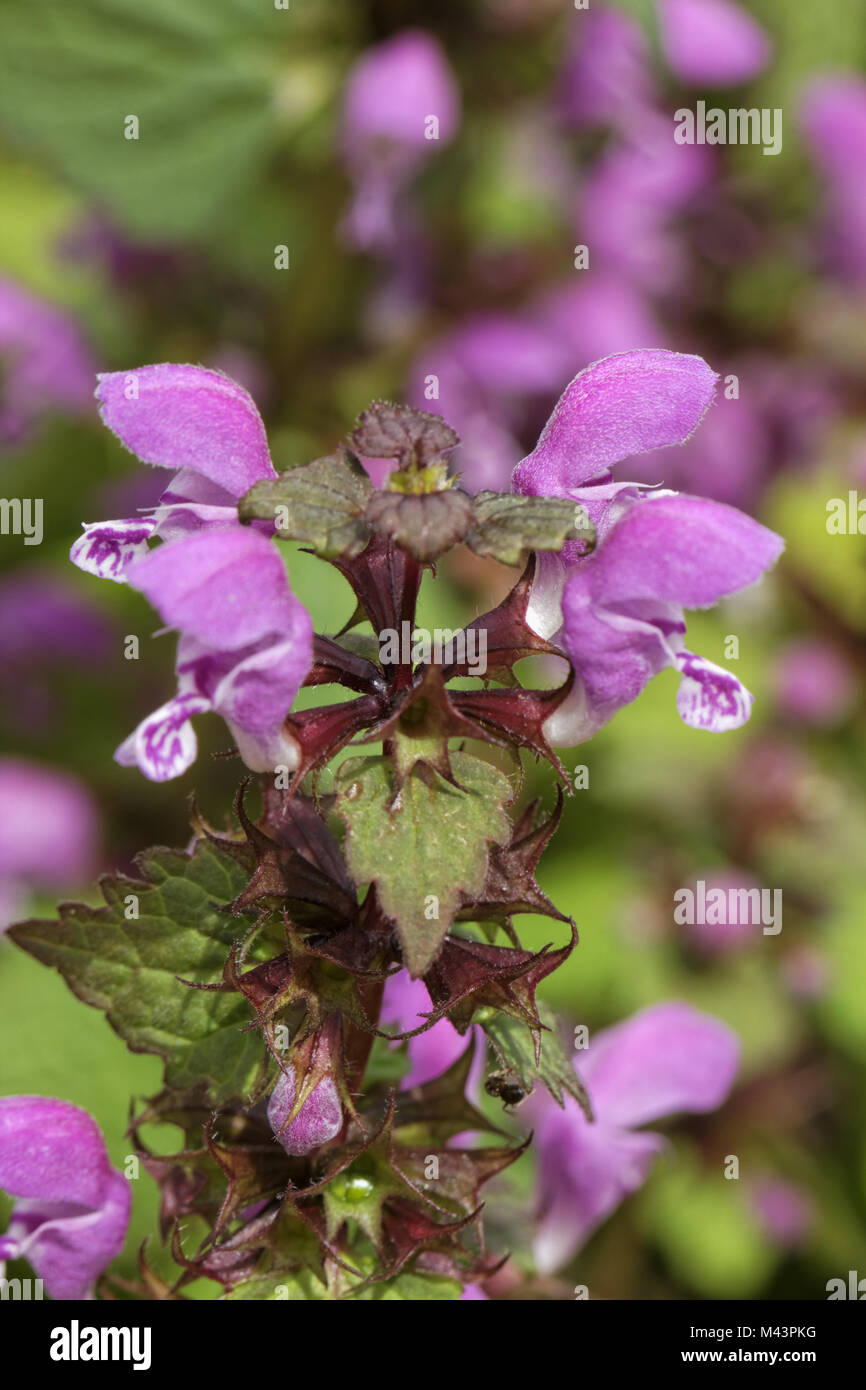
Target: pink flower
x,y
666,1059
72,1209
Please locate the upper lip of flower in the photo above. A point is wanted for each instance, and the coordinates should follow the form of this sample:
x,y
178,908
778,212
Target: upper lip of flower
x,y
73,1210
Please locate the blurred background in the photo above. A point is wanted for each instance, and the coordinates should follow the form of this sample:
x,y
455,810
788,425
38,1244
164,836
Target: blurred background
x,y
242,185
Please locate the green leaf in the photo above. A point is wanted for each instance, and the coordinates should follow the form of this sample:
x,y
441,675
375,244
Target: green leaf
x,y
282,1287
199,77
515,1046
321,504
507,526
423,845
129,968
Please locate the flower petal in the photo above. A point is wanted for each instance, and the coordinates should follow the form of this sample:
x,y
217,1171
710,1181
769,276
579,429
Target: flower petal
x,y
225,586
164,745
710,697
712,41
74,1210
619,406
69,1251
666,1059
585,1170
188,417
680,549
107,548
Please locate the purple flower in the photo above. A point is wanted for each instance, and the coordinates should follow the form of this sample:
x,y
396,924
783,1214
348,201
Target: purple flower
x,y
432,1053
618,612
319,1119
45,363
782,1209
246,641
72,1210
833,116
194,421
483,374
628,205
245,649
712,41
814,683
666,1059
400,103
606,78
49,832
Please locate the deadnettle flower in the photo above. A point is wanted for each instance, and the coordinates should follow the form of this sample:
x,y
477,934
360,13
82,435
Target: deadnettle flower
x,y
45,362
430,1054
244,651
711,41
195,422
49,833
618,612
586,1169
72,1208
401,105
246,641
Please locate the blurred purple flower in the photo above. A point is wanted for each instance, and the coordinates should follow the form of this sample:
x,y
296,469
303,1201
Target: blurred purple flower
x,y
711,41
44,627
833,116
736,930
618,612
606,78
72,1211
783,1210
666,1059
49,832
45,363
480,378
814,684
628,204
400,103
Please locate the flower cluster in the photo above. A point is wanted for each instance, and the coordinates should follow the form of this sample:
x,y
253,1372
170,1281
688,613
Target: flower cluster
x,y
315,1143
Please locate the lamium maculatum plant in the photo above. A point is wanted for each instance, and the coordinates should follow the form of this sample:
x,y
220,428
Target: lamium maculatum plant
x,y
256,960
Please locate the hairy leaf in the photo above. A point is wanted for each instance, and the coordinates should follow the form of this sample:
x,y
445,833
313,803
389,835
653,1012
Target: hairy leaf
x,y
129,967
424,846
508,527
527,1056
321,504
